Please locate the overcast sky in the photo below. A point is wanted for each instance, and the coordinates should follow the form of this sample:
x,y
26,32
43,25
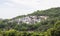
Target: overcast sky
x,y
12,8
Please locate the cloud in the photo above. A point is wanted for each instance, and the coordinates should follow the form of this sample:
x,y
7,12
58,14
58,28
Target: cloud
x,y
38,4
9,4
29,3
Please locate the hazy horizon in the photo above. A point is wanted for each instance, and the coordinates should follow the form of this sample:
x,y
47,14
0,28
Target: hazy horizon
x,y
13,8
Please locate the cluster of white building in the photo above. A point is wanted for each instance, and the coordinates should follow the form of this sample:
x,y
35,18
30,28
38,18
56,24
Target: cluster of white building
x,y
30,19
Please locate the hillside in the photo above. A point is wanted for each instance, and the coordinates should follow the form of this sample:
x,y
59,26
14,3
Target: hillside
x,y
32,18
44,22
52,12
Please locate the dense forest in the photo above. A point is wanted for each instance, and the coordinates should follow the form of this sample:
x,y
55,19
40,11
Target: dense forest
x,y
48,27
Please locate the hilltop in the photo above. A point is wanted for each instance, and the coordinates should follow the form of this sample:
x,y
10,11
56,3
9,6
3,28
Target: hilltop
x,y
52,12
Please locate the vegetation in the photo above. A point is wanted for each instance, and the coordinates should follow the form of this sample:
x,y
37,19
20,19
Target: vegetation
x,y
49,27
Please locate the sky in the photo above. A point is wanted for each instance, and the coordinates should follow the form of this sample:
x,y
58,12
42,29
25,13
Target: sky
x,y
13,8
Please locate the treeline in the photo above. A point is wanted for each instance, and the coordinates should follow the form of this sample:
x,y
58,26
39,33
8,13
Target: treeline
x,y
55,31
